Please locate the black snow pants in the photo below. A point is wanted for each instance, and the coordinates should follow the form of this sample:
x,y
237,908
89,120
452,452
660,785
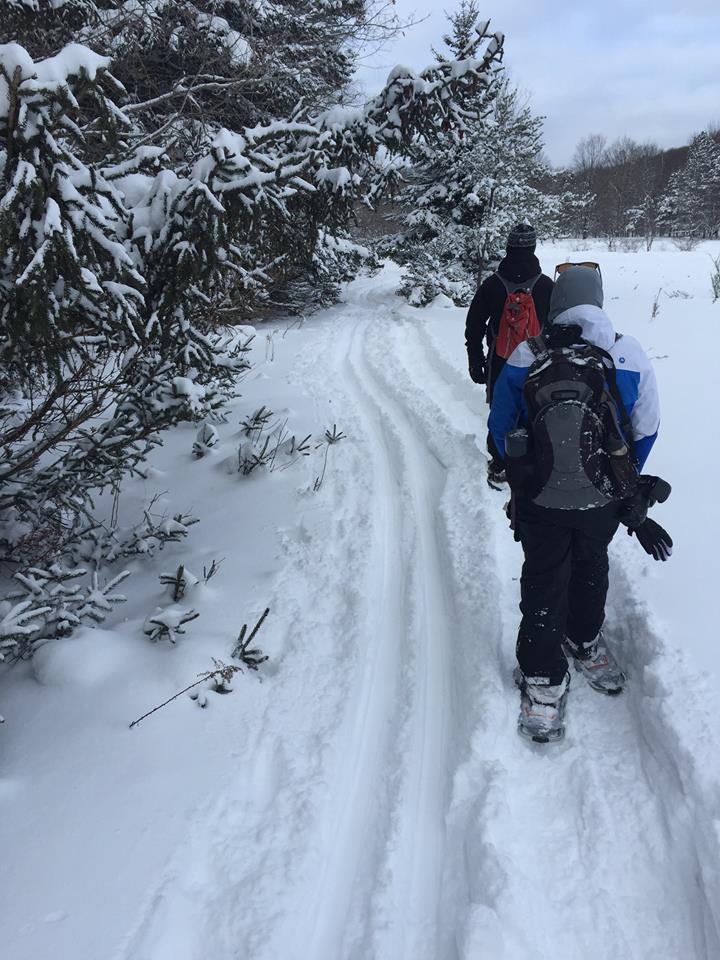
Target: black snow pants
x,y
564,582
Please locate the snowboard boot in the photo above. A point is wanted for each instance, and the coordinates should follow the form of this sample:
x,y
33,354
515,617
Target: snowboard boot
x,y
598,665
542,708
496,474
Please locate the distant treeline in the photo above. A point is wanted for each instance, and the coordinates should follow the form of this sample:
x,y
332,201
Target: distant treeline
x,y
627,188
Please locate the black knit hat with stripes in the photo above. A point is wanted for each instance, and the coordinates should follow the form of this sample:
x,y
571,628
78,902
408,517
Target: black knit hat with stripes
x,y
522,236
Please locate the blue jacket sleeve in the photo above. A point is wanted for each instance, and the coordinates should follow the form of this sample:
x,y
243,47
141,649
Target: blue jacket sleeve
x,y
508,404
643,446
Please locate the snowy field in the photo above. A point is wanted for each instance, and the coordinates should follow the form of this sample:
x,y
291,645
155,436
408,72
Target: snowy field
x,y
367,796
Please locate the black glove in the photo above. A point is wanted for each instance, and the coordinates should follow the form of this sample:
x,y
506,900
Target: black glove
x,y
633,510
653,539
478,371
656,489
649,491
510,514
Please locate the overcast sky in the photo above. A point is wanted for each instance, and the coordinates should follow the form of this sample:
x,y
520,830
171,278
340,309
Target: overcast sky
x,y
636,67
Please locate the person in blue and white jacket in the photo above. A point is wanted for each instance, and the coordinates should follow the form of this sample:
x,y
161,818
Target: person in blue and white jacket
x,y
565,574
578,299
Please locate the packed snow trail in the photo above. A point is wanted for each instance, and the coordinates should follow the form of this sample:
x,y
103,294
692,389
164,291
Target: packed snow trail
x,y
405,498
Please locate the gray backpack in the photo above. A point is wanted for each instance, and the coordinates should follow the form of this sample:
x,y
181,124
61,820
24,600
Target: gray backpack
x,y
577,425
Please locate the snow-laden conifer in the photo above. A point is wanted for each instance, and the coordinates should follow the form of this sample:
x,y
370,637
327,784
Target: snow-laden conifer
x,y
469,183
691,204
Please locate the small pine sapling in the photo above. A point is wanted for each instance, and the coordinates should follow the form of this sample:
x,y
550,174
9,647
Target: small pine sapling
x,y
206,438
289,447
329,439
255,425
19,625
209,572
179,582
98,601
251,657
98,544
63,603
250,457
168,624
333,436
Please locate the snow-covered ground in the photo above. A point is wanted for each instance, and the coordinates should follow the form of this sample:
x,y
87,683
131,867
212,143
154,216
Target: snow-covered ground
x,y
370,798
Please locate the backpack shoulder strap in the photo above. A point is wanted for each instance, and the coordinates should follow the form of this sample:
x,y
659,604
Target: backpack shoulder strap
x,y
504,282
512,287
611,378
538,346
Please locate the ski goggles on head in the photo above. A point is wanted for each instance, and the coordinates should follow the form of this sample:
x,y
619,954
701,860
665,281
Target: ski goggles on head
x,y
562,267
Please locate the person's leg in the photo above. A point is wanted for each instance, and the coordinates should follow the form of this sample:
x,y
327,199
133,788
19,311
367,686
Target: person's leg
x,y
496,468
494,369
547,546
594,529
493,451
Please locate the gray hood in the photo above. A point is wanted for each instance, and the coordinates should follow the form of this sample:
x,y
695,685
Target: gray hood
x,y
576,286
577,298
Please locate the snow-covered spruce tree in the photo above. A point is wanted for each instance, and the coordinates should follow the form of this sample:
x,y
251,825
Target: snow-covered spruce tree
x,y
289,187
232,63
574,202
70,296
468,185
466,192
68,285
195,68
691,204
87,380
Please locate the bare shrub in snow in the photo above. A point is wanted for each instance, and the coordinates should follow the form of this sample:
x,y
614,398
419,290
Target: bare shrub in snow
x,y
686,244
220,676
100,544
211,571
656,305
715,278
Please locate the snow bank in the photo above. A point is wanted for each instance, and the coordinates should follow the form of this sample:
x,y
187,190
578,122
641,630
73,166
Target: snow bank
x,y
90,658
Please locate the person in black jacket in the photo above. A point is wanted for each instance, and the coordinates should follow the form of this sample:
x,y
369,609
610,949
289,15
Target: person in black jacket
x,y
483,320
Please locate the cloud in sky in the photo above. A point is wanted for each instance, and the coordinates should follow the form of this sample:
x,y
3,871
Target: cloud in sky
x,y
614,67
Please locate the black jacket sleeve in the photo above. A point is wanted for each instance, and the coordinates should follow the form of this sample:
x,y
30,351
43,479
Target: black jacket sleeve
x,y
477,321
542,292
